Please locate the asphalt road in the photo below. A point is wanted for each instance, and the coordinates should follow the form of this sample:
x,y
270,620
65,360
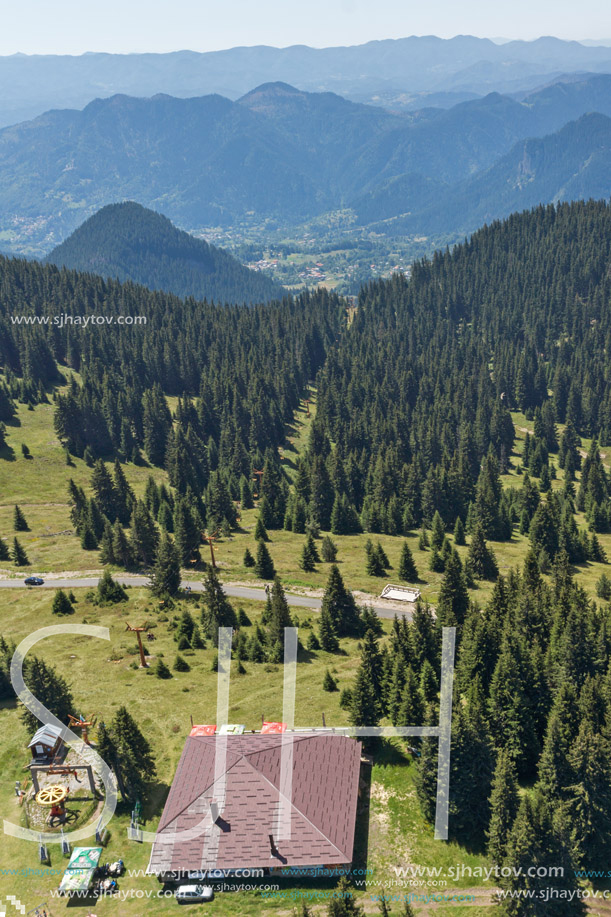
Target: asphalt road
x,y
237,592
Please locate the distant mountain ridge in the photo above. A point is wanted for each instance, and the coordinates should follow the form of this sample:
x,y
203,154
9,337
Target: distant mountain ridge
x,y
128,242
277,154
571,164
377,71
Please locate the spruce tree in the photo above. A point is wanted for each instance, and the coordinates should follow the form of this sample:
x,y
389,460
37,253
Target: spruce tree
x,y
20,558
374,565
407,568
19,521
248,559
534,846
438,531
218,611
453,596
280,616
504,802
134,758
481,557
459,532
109,591
49,688
327,634
166,572
61,604
4,551
339,603
328,550
260,530
121,547
328,682
264,565
106,552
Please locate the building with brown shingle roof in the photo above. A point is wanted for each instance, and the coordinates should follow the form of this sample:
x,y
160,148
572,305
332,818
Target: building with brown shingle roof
x,y
231,820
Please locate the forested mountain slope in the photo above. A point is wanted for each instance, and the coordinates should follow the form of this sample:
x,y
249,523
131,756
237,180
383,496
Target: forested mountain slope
x,y
277,154
128,242
418,392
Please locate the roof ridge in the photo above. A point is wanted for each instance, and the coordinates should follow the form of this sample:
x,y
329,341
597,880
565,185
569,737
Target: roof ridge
x,y
162,826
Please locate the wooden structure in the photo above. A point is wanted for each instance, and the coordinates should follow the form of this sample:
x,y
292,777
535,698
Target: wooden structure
x,y
138,631
46,742
209,539
83,724
54,770
54,797
258,475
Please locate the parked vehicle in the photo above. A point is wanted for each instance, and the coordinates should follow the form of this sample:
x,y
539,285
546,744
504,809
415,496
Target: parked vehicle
x,y
194,894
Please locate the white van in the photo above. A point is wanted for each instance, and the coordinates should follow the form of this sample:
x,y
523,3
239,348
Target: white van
x,y
194,894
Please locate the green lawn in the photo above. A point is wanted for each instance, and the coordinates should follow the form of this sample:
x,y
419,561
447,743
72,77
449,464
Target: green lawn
x,y
102,678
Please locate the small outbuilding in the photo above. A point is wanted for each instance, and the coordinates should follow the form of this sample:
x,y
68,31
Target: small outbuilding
x,y
47,742
400,593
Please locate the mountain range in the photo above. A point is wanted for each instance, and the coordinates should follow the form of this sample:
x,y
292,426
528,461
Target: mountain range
x,y
281,154
128,242
396,72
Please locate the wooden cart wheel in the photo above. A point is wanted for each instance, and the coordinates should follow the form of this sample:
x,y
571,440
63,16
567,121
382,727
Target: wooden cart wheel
x,y
51,795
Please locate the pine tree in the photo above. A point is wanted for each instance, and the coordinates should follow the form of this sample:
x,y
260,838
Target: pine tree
x,y
264,565
260,530
339,603
586,810
453,596
407,568
4,551
20,558
309,555
218,611
504,802
534,847
438,531
280,616
106,552
181,665
459,532
374,565
121,547
187,535
123,494
19,521
161,670
327,634
104,490
133,755
61,604
166,572
49,688
342,903
328,682
144,536
248,559
481,557
328,550
109,591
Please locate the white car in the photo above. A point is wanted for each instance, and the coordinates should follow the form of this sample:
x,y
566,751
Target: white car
x,y
194,894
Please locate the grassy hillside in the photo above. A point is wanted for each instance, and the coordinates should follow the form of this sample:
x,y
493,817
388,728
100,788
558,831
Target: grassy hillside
x,y
53,547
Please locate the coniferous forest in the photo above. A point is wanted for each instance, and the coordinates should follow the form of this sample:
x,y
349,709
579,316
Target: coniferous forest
x,y
413,432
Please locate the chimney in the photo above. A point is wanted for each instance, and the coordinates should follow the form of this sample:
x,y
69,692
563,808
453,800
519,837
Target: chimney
x,y
274,851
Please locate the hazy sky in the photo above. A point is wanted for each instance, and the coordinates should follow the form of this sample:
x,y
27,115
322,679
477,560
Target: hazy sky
x,y
75,26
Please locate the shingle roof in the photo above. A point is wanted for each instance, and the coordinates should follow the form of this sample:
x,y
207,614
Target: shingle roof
x,y
46,735
322,809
